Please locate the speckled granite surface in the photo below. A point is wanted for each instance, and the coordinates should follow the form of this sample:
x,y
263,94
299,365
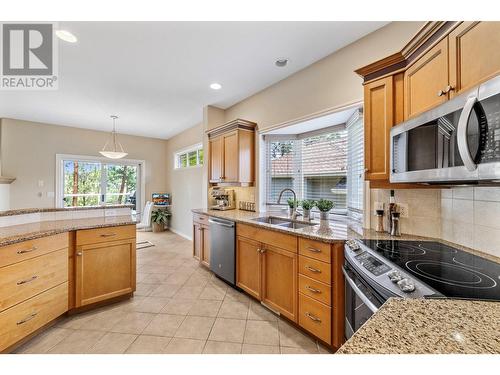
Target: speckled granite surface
x,y
336,231
429,326
24,211
19,233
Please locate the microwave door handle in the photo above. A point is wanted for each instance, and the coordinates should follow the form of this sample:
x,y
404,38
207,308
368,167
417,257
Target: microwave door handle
x,y
462,142
359,293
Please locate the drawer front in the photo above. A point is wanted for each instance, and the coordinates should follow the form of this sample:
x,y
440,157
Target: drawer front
x,y
21,320
315,269
21,281
200,218
32,248
269,237
315,249
91,236
315,318
314,289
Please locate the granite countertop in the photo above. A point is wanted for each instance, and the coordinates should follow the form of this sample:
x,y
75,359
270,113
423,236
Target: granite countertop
x,y
23,211
24,232
429,326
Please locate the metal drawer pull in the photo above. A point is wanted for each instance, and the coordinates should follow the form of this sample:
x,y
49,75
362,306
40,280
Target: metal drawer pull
x,y
32,278
315,270
314,290
313,250
108,235
27,250
313,318
27,319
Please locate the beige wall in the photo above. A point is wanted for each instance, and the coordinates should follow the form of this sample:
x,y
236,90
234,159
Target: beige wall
x,y
324,85
185,185
28,152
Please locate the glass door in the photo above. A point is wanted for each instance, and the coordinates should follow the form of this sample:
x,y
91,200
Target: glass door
x,y
82,183
121,184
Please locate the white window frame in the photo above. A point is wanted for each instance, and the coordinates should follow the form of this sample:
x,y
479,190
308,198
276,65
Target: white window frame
x,y
141,164
177,154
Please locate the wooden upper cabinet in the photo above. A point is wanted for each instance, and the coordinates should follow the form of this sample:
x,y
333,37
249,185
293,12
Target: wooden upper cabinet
x,y
378,117
232,153
426,81
279,281
215,147
474,54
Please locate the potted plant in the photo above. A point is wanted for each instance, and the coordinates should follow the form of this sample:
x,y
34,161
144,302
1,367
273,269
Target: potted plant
x,y
307,206
324,206
159,218
292,205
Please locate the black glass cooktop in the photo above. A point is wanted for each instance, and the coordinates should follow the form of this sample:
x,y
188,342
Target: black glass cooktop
x,y
452,272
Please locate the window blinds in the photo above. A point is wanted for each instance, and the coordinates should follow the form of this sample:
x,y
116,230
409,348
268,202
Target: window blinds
x,y
355,166
313,165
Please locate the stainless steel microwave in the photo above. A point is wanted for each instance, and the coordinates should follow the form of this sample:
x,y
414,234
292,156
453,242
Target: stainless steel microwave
x,y
458,142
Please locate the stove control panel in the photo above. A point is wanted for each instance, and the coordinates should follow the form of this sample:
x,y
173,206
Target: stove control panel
x,y
353,245
372,264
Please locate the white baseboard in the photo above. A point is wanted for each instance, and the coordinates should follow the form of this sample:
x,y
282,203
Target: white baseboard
x,y
181,234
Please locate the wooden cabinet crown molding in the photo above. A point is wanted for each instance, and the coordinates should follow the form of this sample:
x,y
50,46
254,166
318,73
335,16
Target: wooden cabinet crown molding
x,y
232,125
428,36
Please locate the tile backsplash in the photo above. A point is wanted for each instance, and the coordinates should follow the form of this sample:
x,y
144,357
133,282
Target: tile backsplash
x,y
469,216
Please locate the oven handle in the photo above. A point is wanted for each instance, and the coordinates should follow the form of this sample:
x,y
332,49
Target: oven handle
x,y
359,293
462,142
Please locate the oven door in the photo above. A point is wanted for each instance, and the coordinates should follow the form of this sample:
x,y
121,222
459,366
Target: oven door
x,y
361,301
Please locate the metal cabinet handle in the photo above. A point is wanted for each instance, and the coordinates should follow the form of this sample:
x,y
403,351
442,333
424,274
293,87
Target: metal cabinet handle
x,y
79,253
313,318
258,250
313,269
27,319
441,93
313,250
32,278
27,250
108,234
448,89
314,290
262,251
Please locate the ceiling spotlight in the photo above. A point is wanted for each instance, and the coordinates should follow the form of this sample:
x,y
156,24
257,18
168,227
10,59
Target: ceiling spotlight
x,y
66,36
281,62
215,86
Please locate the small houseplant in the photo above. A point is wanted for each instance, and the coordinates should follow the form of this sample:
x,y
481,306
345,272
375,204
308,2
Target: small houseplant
x,y
159,218
307,206
292,205
324,205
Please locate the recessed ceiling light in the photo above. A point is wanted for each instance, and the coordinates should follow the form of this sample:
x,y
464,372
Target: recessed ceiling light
x,y
215,86
281,62
66,36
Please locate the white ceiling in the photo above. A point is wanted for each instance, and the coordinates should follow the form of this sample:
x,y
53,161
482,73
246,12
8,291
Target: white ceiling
x,y
155,75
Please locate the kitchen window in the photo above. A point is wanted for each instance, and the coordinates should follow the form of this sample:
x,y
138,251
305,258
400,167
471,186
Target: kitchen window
x,y
92,181
190,157
324,164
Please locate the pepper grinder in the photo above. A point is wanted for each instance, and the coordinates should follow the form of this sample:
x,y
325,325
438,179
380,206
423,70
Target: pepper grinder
x,y
395,230
380,221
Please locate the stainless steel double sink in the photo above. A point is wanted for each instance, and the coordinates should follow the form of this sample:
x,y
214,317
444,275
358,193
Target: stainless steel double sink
x,y
283,222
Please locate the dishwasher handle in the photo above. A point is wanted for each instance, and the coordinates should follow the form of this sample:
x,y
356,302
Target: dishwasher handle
x,y
228,224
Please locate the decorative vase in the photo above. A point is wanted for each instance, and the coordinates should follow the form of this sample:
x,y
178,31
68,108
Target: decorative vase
x,y
158,227
307,214
324,215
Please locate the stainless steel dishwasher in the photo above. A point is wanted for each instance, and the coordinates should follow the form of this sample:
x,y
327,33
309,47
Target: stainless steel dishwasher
x,y
222,249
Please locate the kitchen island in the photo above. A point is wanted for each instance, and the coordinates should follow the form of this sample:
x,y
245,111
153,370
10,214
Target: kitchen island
x,y
429,326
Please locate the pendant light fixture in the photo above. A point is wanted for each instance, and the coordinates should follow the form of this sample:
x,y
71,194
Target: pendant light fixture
x,y
115,150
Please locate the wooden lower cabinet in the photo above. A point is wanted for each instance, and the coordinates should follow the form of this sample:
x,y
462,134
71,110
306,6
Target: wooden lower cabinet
x,y
205,250
315,317
201,239
279,281
104,270
248,266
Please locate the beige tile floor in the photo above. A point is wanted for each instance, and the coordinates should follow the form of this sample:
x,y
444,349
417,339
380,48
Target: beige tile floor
x,y
179,307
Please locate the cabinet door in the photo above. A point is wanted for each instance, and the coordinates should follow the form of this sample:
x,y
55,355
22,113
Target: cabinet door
x,y
197,240
474,54
231,157
216,150
248,265
279,281
426,80
104,270
205,249
378,123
